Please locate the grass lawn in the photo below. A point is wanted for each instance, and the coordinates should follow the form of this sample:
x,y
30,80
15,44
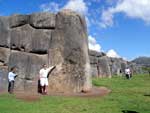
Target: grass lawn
x,y
132,95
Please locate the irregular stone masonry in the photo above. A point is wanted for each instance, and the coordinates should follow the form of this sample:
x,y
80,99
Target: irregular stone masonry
x,y
28,41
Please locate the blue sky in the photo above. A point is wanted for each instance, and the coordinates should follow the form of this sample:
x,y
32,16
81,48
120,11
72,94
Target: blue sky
x,y
121,28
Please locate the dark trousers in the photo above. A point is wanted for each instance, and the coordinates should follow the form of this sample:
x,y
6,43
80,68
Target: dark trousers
x,y
11,86
39,87
128,76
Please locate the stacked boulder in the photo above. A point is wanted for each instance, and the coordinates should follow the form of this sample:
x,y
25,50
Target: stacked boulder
x,y
28,41
103,66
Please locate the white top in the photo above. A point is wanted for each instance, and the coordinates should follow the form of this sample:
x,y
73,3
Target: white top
x,y
11,76
127,71
44,72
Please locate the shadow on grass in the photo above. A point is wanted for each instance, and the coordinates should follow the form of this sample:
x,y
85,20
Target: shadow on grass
x,y
128,111
147,95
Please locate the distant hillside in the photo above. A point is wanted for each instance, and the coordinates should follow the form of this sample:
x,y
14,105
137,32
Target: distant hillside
x,y
145,61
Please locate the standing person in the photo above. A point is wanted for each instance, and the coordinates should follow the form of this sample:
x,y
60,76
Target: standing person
x,y
43,76
128,73
11,79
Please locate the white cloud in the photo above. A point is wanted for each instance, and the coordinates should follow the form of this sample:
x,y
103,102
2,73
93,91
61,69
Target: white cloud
x,y
93,45
139,9
52,7
112,53
88,22
107,18
77,5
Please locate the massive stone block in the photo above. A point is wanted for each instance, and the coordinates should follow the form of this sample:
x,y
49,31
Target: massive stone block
x,y
4,32
3,78
4,55
69,50
97,66
28,39
43,20
28,66
18,20
104,69
115,64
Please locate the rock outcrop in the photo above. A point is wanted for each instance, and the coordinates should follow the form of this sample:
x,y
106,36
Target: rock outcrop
x,y
28,41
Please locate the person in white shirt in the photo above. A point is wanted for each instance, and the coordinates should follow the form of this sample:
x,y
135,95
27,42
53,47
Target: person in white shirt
x,y
43,76
128,73
11,79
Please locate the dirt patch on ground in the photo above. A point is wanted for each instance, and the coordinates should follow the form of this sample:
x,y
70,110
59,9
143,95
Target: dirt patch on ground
x,y
94,92
31,97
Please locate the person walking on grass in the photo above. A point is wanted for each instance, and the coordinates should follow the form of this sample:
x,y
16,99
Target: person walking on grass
x,y
43,77
11,79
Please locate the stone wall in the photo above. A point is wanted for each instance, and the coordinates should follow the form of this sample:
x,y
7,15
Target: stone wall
x,y
28,41
103,66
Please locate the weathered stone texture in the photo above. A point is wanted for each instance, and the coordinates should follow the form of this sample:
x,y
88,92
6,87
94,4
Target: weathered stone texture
x,y
104,67
55,39
3,78
4,55
43,20
29,39
18,20
69,44
28,66
4,32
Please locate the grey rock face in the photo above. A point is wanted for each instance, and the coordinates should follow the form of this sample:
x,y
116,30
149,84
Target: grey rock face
x,y
96,54
18,20
100,66
28,41
43,20
104,67
4,55
28,66
21,38
4,32
94,70
68,49
3,78
116,66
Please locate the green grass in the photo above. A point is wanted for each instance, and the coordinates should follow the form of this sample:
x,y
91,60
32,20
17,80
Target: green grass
x,y
125,95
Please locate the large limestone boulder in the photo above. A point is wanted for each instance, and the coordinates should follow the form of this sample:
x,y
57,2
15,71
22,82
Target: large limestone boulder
x,y
104,69
4,55
18,20
3,78
115,65
4,32
28,66
94,58
69,50
28,39
44,20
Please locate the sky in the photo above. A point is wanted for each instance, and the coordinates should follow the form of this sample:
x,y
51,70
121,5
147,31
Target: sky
x,y
120,28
